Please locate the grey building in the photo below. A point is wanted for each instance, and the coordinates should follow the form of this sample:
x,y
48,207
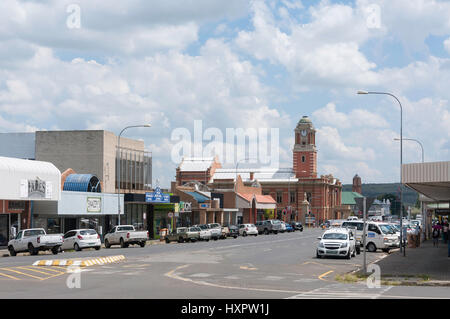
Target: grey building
x,y
18,145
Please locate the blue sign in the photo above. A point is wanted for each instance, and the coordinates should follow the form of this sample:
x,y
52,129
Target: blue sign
x,y
371,235
157,196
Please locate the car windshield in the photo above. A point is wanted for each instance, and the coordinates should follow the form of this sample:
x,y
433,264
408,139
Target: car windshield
x,y
214,225
276,222
339,236
88,232
386,229
33,232
195,229
203,226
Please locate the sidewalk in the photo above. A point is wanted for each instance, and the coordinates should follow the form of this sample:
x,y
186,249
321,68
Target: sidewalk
x,y
425,260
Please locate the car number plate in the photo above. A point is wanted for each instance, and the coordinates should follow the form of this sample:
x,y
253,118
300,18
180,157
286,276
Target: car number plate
x,y
331,251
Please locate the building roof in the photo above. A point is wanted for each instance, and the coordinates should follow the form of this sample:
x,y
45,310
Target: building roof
x,y
263,199
196,164
16,165
348,198
260,174
198,197
82,183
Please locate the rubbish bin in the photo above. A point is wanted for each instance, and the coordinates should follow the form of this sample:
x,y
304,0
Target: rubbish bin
x,y
163,233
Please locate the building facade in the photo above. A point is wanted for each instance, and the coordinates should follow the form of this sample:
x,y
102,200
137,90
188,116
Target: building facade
x,y
289,187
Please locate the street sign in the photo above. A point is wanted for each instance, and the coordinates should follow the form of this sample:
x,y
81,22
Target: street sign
x,y
170,215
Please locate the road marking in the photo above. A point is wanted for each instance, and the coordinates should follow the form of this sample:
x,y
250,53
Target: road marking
x,y
12,277
22,273
248,268
324,274
38,271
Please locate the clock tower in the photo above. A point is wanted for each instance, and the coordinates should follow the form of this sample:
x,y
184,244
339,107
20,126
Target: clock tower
x,y
305,153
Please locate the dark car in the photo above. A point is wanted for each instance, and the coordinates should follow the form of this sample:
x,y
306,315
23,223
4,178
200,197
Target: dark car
x,y
297,226
289,228
234,231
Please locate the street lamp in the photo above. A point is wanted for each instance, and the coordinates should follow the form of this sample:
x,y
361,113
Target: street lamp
x,y
414,140
401,162
119,162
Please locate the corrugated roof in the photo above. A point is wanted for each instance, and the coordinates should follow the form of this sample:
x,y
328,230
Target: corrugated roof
x,y
348,198
82,183
198,197
196,164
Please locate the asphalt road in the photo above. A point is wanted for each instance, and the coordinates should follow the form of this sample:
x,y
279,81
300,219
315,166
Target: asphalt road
x,y
266,266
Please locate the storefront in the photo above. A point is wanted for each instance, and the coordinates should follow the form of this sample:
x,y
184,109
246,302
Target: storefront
x,y
77,210
151,211
24,183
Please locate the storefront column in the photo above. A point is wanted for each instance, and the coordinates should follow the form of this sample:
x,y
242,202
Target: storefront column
x,y
202,214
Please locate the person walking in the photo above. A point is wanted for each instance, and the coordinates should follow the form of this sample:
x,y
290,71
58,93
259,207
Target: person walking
x,y
436,234
445,231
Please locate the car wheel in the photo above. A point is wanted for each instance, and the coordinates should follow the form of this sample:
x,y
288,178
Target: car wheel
x,y
97,248
256,235
142,244
167,240
371,247
349,255
234,236
317,255
266,231
275,232
358,250
244,234
32,250
76,247
180,240
122,243
354,253
385,250
55,251
207,239
107,244
12,252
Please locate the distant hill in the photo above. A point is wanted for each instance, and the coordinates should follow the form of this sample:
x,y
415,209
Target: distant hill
x,y
374,190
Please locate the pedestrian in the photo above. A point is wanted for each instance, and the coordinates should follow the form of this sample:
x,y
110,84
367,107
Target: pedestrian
x,y
445,231
435,235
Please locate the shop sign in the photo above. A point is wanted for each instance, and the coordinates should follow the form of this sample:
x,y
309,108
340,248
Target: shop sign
x,y
204,205
170,215
36,188
157,196
94,204
185,207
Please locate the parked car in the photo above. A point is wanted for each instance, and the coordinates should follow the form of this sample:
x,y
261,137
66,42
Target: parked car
x,y
124,236
180,235
379,235
225,232
289,228
352,218
202,234
234,231
216,230
271,226
297,226
282,226
79,239
248,229
34,240
336,242
206,233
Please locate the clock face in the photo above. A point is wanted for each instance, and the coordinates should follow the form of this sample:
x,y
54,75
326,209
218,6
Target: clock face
x,y
303,132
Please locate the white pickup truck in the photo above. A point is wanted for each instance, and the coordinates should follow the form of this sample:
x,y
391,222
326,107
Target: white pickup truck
x,y
33,241
124,236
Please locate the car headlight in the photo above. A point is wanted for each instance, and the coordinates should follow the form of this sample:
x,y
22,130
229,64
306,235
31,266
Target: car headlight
x,y
344,245
321,245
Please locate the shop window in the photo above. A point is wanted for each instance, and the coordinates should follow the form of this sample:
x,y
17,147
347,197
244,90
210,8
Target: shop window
x,y
53,225
293,197
16,205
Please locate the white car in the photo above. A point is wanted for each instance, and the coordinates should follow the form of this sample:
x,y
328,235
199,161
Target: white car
x,y
378,235
35,240
79,239
206,233
283,227
203,234
248,229
336,242
216,230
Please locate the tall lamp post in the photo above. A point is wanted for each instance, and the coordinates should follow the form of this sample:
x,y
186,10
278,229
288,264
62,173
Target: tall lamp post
x,y
119,157
401,163
423,160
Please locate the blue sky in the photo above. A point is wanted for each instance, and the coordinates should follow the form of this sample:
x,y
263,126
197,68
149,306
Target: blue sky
x,y
232,64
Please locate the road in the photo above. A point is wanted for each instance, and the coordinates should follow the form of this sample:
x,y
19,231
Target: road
x,y
266,266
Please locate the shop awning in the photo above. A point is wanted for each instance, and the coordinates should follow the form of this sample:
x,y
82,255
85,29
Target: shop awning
x,y
198,197
29,180
82,183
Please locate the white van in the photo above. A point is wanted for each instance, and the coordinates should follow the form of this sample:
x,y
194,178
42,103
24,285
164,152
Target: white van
x,y
378,235
352,218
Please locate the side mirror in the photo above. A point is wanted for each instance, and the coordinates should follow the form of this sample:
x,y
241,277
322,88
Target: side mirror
x,y
319,238
352,238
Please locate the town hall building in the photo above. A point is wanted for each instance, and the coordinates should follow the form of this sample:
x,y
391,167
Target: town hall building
x,y
300,194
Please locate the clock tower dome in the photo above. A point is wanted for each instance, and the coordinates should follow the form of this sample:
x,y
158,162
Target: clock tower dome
x,y
305,153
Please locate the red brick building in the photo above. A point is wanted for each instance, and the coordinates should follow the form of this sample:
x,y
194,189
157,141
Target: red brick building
x,y
289,187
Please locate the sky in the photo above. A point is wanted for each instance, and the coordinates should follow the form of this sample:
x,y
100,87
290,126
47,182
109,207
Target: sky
x,y
95,64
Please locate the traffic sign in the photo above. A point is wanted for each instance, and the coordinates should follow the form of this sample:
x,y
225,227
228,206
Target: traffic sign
x,y
360,202
170,215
